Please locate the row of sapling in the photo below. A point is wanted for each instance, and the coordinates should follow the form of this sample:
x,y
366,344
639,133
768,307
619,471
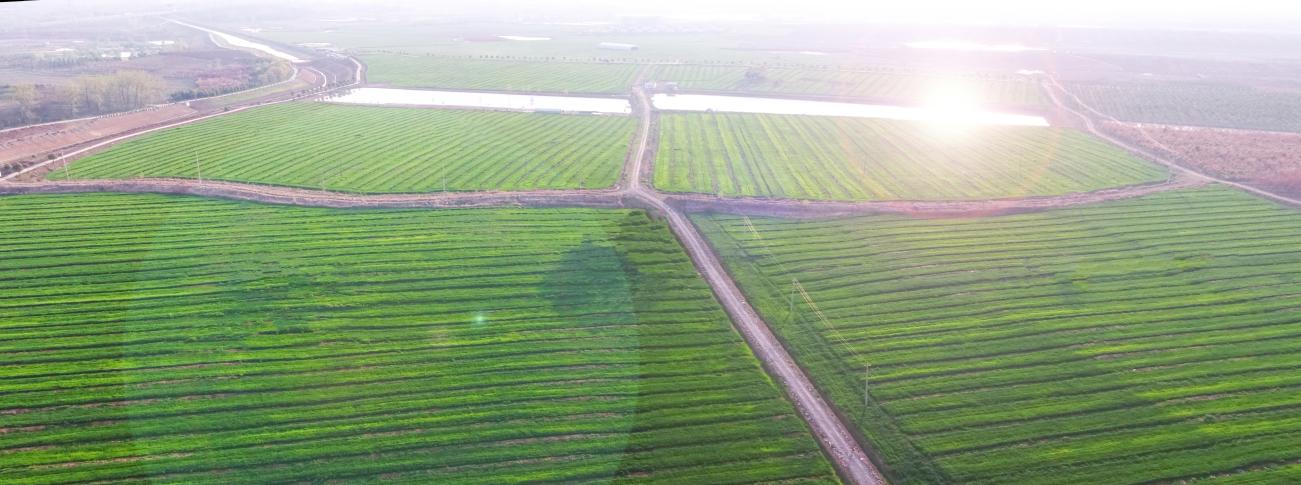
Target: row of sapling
x,y
88,95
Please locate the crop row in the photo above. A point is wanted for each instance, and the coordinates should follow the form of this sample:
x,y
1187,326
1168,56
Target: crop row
x,y
371,149
808,157
1198,104
899,87
1263,159
199,341
1147,340
447,72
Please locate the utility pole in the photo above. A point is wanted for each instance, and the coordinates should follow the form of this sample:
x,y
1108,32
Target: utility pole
x,y
867,387
867,381
791,312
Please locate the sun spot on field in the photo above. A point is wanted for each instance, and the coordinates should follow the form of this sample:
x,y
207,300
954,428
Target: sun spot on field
x,y
480,319
952,109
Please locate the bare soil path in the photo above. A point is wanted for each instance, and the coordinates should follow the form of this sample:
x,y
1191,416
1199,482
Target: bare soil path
x,y
1055,92
816,209
833,435
837,442
273,194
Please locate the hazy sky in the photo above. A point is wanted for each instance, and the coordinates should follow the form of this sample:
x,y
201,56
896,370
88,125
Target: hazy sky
x,y
1070,12
1225,14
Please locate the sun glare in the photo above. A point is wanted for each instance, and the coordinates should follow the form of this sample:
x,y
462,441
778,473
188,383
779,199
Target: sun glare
x,y
952,108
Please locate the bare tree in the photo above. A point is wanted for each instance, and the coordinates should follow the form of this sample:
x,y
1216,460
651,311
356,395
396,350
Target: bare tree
x,y
27,98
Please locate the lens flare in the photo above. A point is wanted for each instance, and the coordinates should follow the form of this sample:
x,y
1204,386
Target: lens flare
x,y
953,108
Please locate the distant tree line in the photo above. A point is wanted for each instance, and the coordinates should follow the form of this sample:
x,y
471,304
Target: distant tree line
x,y
87,96
91,95
263,73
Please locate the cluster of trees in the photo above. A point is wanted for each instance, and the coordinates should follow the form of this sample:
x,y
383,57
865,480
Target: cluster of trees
x,y
88,95
91,95
262,73
26,96
32,61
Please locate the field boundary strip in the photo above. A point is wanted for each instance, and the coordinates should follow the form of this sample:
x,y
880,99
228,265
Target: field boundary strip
x,y
66,156
1053,86
1117,311
841,447
292,77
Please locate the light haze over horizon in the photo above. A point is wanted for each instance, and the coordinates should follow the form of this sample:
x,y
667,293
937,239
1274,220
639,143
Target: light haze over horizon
x,y
1200,14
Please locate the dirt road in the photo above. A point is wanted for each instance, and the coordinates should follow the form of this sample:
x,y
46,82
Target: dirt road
x,y
833,435
272,194
819,209
1055,87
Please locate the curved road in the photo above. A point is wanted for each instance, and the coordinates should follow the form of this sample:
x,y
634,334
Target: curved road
x,y
1093,129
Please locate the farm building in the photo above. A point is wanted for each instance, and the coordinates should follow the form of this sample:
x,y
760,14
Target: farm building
x,y
617,46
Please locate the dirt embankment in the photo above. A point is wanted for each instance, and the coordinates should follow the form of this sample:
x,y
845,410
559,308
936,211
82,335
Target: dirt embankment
x,y
271,194
766,207
1269,160
25,146
48,147
1091,119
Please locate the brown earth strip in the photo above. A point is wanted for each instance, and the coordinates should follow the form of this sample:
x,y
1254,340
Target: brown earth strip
x,y
837,441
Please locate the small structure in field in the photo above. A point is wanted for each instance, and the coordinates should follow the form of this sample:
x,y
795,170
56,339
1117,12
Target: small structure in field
x,y
662,86
617,46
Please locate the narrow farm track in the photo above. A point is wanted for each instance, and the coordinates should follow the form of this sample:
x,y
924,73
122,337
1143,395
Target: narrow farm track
x,y
1053,95
165,338
811,209
319,198
839,444
832,434
617,197
1129,342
